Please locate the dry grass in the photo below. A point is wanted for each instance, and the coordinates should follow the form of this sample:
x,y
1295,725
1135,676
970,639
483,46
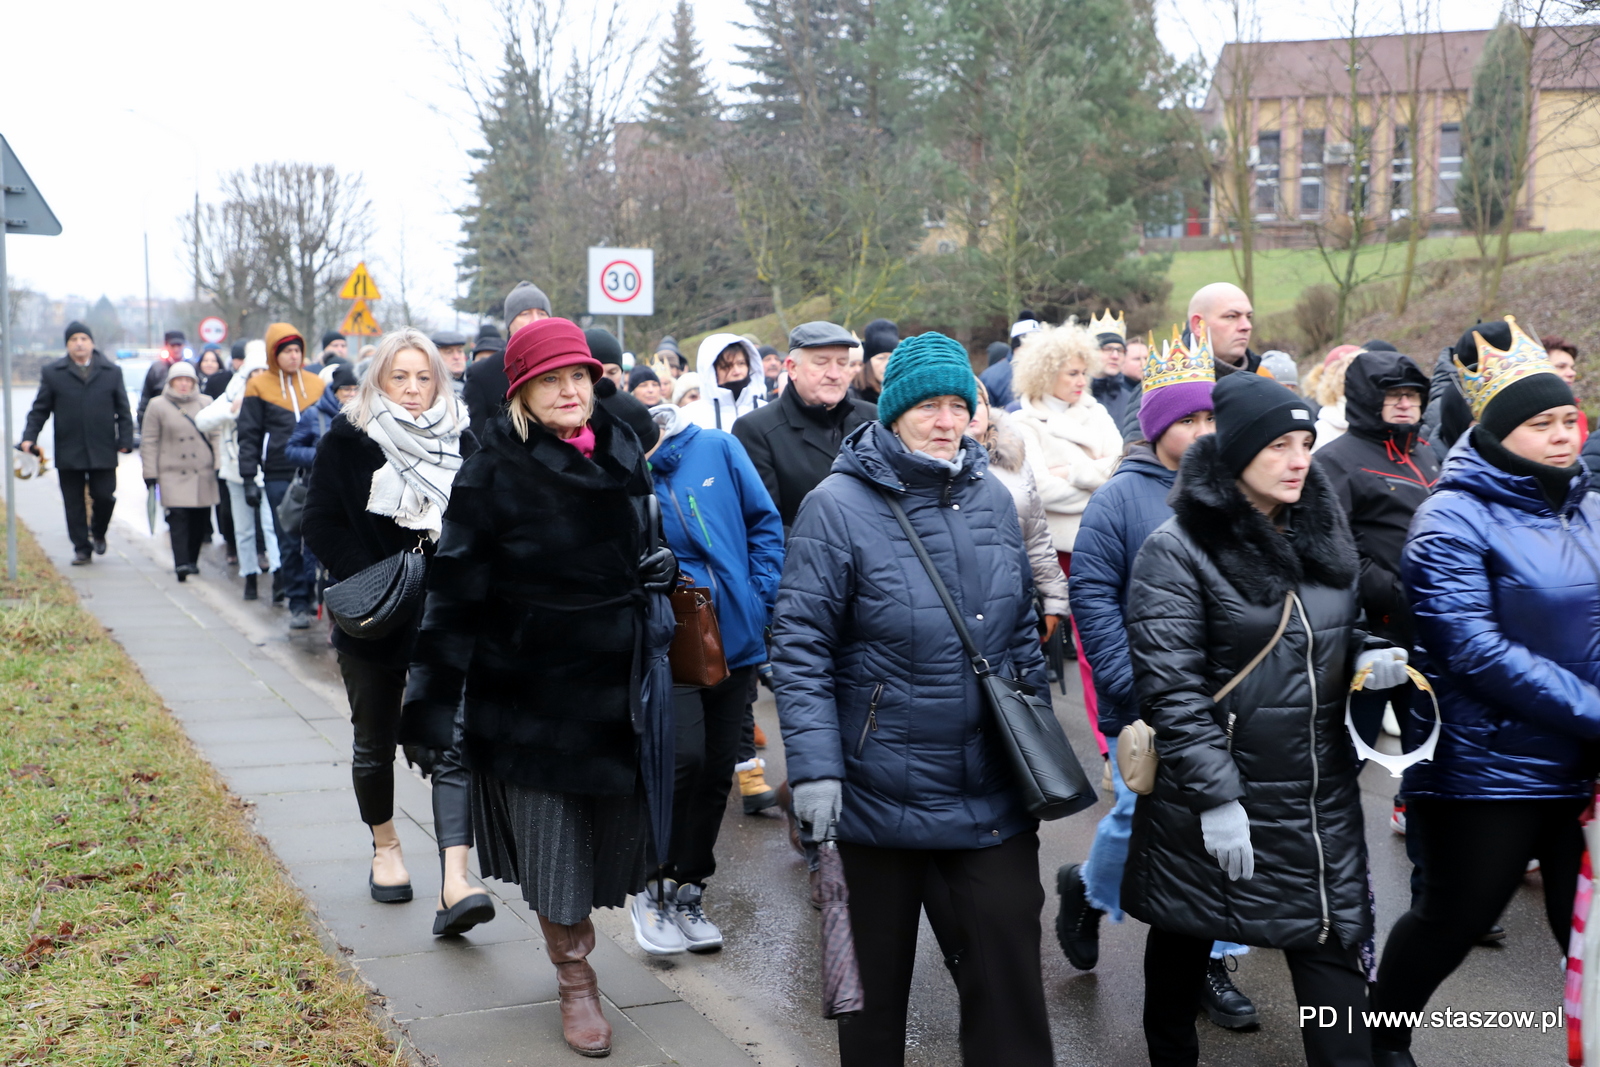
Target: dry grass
x,y
141,920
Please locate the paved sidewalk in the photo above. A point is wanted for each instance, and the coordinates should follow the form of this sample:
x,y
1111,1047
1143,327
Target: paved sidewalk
x,y
283,744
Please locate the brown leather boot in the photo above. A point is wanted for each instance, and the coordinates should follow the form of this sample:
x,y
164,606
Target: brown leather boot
x,y
586,1031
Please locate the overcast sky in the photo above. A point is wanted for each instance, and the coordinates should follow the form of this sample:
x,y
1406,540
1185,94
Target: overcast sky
x,y
120,111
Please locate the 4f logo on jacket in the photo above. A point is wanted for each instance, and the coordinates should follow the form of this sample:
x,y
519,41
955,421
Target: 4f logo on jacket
x,y
708,481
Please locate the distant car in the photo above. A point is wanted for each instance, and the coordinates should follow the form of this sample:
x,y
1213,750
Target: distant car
x,y
133,372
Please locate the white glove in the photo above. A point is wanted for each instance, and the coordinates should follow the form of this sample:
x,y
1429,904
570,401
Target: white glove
x,y
1226,830
816,804
1388,667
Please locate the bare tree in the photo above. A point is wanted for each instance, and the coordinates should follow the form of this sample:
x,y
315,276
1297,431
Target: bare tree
x,y
228,265
1230,157
1416,17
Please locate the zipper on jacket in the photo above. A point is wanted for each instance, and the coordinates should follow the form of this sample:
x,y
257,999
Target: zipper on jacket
x,y
872,719
1316,772
711,574
694,509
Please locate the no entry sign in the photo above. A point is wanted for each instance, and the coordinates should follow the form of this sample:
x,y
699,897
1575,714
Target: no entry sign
x,y
213,331
622,281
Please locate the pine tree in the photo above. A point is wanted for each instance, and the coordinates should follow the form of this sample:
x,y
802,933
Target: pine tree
x,y
682,105
1493,128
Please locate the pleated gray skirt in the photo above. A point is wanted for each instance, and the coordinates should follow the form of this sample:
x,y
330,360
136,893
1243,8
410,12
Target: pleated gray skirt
x,y
569,852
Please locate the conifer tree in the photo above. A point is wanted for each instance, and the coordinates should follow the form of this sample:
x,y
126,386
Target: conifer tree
x,y
682,106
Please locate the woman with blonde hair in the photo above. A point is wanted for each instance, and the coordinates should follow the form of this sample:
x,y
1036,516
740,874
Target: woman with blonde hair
x,y
536,599
380,484
1327,389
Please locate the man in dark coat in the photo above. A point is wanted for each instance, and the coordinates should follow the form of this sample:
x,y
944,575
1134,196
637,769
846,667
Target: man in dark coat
x,y
486,384
793,442
85,392
155,379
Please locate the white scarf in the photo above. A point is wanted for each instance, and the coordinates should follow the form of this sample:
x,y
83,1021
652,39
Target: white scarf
x,y
424,454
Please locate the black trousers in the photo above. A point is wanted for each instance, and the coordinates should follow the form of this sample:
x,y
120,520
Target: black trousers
x,y
1327,976
376,692
1475,853
101,486
225,517
996,898
710,724
189,528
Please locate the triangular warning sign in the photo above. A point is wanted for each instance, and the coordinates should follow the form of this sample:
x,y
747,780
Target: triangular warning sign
x,y
360,321
360,286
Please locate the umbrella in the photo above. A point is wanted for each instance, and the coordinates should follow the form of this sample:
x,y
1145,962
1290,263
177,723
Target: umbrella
x,y
1056,654
654,720
152,504
841,976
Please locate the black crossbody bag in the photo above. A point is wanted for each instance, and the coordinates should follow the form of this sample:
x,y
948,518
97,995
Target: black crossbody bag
x,y
1048,773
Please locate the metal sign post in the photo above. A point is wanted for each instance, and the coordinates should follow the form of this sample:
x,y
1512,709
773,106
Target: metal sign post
x,y
23,211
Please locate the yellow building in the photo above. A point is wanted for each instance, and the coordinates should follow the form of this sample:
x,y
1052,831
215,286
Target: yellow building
x,y
1315,148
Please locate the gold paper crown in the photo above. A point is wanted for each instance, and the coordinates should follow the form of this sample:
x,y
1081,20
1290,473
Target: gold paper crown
x,y
1119,326
1496,369
1177,363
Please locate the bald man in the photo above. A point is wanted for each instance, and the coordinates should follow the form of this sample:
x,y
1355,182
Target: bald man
x,y
1229,318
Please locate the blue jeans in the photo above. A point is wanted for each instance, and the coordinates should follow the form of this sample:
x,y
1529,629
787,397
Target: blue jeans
x,y
244,532
296,575
1102,871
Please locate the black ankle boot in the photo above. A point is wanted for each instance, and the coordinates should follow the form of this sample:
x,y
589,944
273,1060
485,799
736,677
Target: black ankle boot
x,y
1224,1004
250,587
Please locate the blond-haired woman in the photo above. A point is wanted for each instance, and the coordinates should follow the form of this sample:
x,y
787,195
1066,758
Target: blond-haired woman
x,y
1327,389
535,600
380,484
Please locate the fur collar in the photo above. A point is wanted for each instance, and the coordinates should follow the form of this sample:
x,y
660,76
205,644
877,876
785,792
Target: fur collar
x,y
1262,563
1004,445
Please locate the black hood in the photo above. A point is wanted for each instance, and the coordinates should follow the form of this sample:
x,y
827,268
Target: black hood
x,y
1369,376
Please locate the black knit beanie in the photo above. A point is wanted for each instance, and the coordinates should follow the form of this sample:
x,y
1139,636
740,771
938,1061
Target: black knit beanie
x,y
1519,401
77,327
879,335
1252,412
641,374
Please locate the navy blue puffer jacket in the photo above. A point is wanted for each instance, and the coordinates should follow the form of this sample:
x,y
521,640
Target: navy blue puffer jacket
x,y
872,684
1120,515
1506,594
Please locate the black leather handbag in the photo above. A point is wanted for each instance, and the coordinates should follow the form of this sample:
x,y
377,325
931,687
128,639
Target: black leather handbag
x,y
1048,773
377,601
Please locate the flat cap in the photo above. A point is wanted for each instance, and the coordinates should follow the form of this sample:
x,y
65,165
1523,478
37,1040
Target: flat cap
x,y
821,335
448,339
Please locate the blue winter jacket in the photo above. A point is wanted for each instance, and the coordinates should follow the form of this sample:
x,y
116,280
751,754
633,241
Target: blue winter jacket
x,y
314,422
1121,514
872,685
1506,594
997,380
721,523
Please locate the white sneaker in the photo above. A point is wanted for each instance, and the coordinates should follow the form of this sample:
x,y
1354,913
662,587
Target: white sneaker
x,y
654,926
700,934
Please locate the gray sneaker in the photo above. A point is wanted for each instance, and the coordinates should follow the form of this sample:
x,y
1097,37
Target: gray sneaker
x,y
700,934
653,924
299,620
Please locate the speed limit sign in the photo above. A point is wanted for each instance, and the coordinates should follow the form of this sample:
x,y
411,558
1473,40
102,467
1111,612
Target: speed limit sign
x,y
622,281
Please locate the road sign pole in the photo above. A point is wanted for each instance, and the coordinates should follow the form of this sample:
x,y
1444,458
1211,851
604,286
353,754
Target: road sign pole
x,y
620,343
5,369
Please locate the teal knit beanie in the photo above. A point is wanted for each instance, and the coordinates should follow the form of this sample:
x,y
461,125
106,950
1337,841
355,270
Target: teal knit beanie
x,y
927,365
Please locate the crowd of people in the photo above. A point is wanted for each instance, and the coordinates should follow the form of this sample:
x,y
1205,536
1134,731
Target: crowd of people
x,y
1238,554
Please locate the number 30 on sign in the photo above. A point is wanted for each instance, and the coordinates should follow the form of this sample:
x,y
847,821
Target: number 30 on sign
x,y
621,281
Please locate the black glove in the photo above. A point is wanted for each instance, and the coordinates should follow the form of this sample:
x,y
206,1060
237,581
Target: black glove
x,y
252,495
150,483
658,571
422,758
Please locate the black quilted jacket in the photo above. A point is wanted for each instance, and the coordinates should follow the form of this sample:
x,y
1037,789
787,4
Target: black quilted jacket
x,y
1208,591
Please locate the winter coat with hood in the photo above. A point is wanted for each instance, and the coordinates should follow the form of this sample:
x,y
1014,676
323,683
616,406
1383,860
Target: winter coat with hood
x,y
873,687
1505,591
1120,516
534,599
1008,462
1080,437
1208,590
219,419
718,407
273,403
719,520
93,419
315,421
1381,472
176,452
793,444
347,538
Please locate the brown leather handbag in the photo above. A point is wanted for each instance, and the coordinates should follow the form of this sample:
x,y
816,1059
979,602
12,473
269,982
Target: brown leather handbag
x,y
696,655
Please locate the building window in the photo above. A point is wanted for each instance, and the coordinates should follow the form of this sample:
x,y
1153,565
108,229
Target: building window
x,y
1401,175
1267,145
1449,166
1311,148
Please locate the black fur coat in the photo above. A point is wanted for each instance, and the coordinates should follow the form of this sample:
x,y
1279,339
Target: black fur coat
x,y
532,611
1208,590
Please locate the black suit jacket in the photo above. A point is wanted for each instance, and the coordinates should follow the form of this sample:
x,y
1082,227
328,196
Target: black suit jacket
x,y
93,419
793,452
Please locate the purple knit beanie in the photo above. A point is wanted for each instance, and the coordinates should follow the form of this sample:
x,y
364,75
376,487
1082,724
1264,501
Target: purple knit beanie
x,y
1161,407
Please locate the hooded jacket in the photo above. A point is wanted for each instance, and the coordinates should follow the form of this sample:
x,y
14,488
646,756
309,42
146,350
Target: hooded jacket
x,y
1079,437
1120,515
93,419
1381,473
718,408
873,686
1506,595
315,421
1208,590
793,444
220,419
720,522
273,403
1008,462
